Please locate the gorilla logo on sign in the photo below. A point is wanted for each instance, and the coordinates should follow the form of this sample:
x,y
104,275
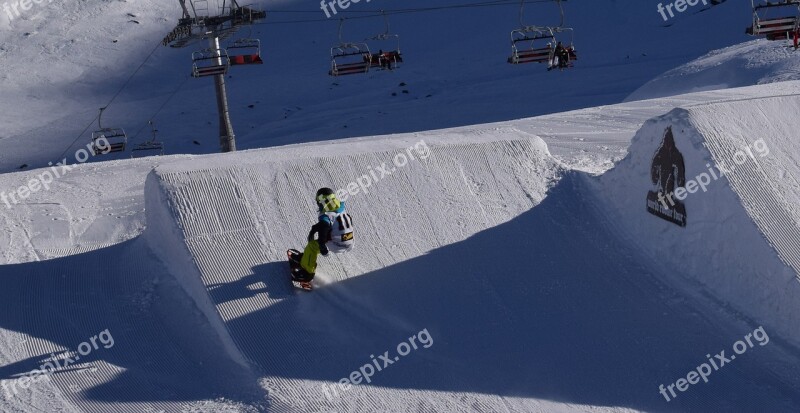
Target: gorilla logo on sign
x,y
667,173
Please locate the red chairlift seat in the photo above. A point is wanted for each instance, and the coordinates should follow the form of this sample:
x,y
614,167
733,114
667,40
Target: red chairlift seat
x,y
776,28
542,55
573,54
390,60
349,69
245,52
246,60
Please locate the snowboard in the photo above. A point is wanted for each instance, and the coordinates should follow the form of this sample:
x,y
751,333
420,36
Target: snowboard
x,y
295,270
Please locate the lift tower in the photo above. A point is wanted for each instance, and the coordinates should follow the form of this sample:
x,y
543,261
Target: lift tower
x,y
201,22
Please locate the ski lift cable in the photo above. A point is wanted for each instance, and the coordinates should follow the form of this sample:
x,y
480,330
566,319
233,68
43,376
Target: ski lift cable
x,y
522,13
422,9
113,98
383,13
163,105
386,20
397,10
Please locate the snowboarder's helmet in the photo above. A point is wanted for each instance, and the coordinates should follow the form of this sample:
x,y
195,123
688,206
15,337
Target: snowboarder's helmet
x,y
326,200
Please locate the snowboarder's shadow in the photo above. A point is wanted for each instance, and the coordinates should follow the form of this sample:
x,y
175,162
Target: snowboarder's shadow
x,y
271,278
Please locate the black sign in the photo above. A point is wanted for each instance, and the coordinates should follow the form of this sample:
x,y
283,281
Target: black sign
x,y
667,173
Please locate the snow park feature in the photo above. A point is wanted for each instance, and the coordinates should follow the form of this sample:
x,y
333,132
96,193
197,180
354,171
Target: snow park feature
x,y
618,237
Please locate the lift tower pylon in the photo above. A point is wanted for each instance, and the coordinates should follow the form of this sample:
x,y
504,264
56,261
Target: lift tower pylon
x,y
199,23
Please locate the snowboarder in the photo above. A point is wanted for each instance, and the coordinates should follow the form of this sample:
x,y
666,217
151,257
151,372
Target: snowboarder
x,y
333,232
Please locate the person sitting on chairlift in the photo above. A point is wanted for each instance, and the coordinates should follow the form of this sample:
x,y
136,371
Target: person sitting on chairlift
x,y
551,64
382,58
561,56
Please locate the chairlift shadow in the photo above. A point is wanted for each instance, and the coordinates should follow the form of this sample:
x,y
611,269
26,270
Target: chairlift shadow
x,y
151,147
115,138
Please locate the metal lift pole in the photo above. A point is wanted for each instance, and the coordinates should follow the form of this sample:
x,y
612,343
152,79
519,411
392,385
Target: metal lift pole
x,y
227,139
193,27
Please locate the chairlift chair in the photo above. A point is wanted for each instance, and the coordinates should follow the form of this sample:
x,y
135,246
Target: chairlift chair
x,y
115,138
245,52
390,59
349,59
526,45
559,30
210,62
784,26
537,44
386,59
573,55
148,148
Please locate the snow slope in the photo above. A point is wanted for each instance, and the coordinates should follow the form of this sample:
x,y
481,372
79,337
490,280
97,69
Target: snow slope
x,y
460,231
73,268
752,63
541,286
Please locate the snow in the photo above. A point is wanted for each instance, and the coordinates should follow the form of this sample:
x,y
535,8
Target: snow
x,y
751,63
514,234
483,193
739,222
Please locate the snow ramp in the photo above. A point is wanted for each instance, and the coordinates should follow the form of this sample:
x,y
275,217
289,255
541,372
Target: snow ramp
x,y
741,239
225,230
493,264
85,299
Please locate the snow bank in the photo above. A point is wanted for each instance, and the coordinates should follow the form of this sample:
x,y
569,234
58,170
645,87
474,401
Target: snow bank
x,y
755,62
741,235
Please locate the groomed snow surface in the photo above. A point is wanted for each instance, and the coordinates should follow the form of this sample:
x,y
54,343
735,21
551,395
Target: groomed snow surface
x,y
517,280
507,264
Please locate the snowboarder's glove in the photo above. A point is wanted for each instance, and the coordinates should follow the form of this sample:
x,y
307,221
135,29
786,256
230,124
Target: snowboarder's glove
x,y
323,250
